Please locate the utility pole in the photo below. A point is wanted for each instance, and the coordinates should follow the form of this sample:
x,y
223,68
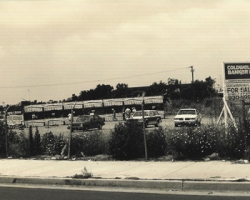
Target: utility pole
x,y
192,71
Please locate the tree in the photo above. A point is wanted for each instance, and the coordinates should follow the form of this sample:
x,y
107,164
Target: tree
x,y
100,92
210,86
74,97
199,90
121,90
86,95
174,86
156,89
103,91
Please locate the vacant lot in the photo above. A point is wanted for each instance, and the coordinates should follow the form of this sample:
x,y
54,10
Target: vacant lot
x,y
58,127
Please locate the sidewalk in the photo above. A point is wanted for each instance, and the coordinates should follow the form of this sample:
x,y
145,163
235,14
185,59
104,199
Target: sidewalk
x,y
211,175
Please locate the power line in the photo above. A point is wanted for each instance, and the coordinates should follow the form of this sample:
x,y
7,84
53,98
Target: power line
x,y
74,83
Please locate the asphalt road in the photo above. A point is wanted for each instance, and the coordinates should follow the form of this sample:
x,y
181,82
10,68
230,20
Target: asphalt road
x,y
19,193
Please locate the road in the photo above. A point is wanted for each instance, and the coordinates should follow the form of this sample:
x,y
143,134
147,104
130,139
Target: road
x,y
20,193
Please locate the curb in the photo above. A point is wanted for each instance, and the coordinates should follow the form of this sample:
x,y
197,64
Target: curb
x,y
139,184
175,185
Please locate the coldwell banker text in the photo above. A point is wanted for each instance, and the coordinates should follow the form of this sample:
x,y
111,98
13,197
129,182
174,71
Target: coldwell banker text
x,y
238,69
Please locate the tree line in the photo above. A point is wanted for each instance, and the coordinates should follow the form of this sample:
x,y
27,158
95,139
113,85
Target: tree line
x,y
173,89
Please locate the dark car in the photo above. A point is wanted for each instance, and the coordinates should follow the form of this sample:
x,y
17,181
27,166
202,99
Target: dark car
x,y
151,117
85,122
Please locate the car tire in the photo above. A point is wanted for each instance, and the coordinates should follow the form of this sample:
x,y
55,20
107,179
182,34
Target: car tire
x,y
157,123
100,127
146,124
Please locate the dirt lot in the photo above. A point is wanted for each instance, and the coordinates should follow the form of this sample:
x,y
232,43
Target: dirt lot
x,y
60,126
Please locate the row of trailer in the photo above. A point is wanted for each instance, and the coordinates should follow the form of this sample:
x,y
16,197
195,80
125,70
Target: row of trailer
x,y
62,110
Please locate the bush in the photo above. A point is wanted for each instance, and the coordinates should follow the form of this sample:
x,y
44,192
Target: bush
x,y
156,143
89,144
37,143
2,140
18,145
192,143
48,143
52,145
126,141
231,145
60,144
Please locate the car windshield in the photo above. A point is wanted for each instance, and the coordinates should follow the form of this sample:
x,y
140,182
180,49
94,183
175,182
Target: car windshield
x,y
82,118
186,112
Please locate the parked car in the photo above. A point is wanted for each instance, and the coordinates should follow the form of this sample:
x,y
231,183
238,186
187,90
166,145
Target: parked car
x,y
85,122
187,117
151,117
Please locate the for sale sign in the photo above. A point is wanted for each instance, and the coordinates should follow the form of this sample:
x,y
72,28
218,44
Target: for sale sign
x,y
237,81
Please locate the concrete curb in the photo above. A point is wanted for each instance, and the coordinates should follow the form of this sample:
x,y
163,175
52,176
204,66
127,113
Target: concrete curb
x,y
139,184
176,185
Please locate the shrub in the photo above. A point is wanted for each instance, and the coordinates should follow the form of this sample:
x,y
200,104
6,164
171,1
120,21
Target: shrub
x,y
156,143
2,140
231,145
126,141
89,144
18,145
192,143
47,143
51,144
37,143
59,144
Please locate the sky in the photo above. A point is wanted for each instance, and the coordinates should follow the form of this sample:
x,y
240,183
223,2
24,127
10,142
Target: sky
x,y
50,50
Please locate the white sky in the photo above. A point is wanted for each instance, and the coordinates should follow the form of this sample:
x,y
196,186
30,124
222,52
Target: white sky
x,y
53,49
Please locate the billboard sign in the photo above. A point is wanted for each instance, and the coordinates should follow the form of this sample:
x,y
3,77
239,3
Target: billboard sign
x,y
237,81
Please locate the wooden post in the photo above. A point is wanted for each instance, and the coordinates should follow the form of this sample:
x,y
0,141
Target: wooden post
x,y
6,132
144,131
70,135
244,123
